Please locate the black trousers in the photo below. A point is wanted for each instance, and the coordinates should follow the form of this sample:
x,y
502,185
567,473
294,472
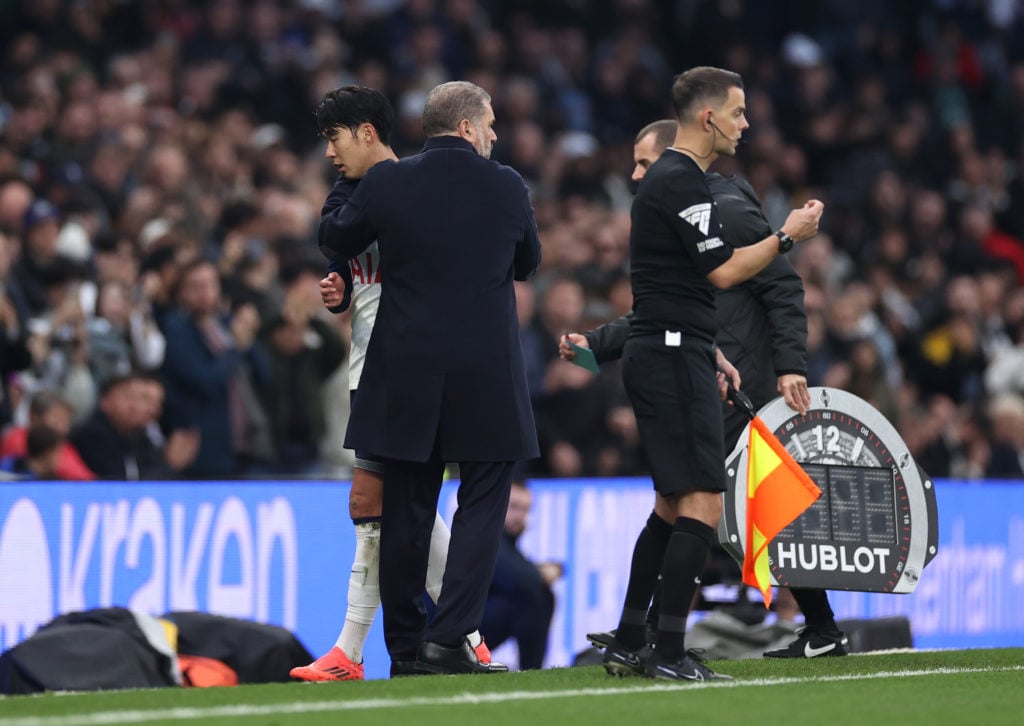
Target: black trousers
x,y
411,491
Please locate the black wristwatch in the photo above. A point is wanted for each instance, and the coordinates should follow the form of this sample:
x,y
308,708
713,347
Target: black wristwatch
x,y
785,242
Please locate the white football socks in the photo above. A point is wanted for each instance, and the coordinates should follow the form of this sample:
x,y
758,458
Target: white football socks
x,y
363,591
439,538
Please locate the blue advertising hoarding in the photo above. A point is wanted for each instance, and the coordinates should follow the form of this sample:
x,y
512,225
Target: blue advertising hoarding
x,y
280,552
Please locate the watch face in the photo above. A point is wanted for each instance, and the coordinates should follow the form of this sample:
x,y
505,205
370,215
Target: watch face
x,y
874,526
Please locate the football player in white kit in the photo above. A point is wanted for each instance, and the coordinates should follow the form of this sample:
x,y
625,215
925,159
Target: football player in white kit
x,y
357,123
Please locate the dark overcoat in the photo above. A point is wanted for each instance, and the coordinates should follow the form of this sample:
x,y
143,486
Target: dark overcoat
x,y
444,365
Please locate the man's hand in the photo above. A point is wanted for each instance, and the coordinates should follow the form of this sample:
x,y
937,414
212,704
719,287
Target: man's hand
x,y
550,572
181,448
565,460
726,373
802,223
793,388
244,326
231,252
332,290
565,351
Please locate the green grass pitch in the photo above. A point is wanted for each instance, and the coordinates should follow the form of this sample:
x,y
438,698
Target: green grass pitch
x,y
927,688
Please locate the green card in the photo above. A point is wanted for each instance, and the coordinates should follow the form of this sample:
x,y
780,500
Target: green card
x,y
584,358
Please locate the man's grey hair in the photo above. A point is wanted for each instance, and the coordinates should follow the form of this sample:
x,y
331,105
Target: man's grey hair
x,y
449,103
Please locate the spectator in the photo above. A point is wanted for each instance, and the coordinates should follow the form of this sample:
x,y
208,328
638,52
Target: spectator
x,y
59,341
114,441
206,374
520,602
121,335
14,353
50,409
43,447
41,227
172,131
534,342
303,350
1007,415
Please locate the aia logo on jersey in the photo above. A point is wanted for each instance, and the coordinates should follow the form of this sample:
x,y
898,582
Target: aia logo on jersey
x,y
365,270
699,215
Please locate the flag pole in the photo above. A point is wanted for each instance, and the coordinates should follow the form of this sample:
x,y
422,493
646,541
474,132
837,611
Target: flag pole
x,y
741,401
783,492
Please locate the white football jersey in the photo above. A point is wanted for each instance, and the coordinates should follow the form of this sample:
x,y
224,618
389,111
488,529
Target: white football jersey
x,y
365,271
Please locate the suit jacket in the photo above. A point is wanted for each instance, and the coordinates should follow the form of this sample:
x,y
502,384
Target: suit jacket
x,y
444,364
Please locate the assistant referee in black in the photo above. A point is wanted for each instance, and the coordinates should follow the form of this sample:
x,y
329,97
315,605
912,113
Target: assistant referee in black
x,y
678,256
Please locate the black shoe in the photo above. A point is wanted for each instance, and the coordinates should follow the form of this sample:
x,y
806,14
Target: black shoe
x,y
602,639
446,659
690,667
407,667
619,661
812,644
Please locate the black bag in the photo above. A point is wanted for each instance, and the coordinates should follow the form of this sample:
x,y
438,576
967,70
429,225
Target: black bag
x,y
87,651
257,652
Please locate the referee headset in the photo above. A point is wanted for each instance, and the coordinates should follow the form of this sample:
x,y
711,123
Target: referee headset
x,y
715,127
717,130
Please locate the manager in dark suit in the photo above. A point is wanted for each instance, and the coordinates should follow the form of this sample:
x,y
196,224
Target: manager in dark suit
x,y
444,378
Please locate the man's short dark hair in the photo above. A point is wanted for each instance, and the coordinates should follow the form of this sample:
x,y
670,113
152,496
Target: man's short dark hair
x,y
450,103
157,257
121,379
664,133
703,84
42,439
349,107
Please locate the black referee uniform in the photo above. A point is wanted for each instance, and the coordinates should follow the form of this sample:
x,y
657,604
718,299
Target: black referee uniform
x,y
669,370
669,366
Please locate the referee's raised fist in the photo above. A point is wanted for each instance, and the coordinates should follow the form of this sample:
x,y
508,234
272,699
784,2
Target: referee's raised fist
x,y
802,223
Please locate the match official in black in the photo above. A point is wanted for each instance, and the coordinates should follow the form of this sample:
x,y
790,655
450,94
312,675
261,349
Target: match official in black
x,y
444,379
678,258
762,329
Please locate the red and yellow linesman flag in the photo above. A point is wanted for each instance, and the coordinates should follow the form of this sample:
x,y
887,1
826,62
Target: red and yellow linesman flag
x,y
778,491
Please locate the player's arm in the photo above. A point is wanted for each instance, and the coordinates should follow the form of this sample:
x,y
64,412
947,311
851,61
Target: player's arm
x,y
745,262
336,287
345,228
340,192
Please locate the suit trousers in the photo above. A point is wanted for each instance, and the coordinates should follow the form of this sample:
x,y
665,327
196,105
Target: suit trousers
x,y
411,491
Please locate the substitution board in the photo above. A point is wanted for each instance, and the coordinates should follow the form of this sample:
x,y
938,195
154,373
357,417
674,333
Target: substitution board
x,y
875,526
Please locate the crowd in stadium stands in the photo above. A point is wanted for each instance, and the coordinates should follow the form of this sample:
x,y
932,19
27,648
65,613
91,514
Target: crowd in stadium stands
x,y
161,177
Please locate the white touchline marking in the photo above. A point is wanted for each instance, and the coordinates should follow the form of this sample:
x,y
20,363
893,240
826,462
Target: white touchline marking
x,y
181,714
